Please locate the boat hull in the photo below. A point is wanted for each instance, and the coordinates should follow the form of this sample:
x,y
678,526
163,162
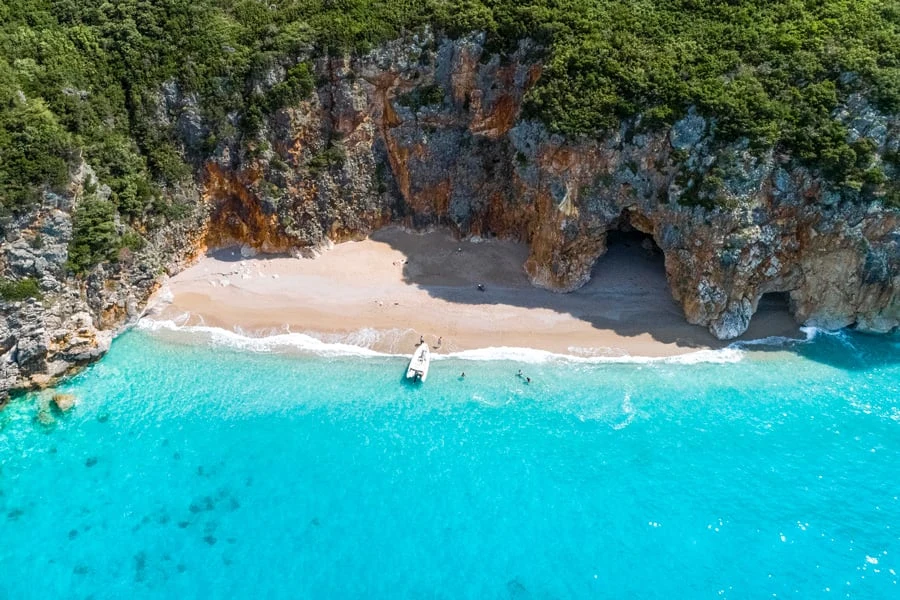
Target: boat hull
x,y
418,365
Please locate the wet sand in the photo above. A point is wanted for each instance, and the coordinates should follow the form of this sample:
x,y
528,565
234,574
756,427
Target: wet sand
x,y
386,291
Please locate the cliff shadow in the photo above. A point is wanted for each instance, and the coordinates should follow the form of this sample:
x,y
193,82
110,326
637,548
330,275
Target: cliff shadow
x,y
628,292
234,253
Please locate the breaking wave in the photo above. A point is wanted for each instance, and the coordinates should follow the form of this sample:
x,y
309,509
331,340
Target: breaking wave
x,y
358,344
277,342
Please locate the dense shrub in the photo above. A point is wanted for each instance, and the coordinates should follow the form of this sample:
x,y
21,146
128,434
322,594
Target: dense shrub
x,y
331,156
94,235
22,289
82,78
297,85
425,95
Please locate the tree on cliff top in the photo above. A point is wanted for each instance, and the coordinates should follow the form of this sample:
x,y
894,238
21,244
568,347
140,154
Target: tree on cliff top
x,y
84,77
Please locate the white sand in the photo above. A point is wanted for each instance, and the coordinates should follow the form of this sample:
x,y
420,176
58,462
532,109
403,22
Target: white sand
x,y
386,291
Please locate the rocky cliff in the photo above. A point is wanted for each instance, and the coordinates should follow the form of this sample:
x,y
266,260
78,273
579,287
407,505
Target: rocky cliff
x,y
74,321
426,131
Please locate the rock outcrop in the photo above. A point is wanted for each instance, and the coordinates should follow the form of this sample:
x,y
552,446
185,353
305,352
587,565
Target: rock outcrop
x,y
468,160
63,402
74,321
426,132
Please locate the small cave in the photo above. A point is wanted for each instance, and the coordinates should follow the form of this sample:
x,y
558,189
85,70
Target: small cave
x,y
239,216
774,301
633,265
629,238
235,221
774,316
625,238
245,221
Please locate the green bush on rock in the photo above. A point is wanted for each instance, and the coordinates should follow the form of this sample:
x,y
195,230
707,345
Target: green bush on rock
x,y
21,289
83,80
94,235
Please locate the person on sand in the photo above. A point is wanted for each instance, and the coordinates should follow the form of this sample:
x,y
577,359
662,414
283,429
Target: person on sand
x,y
421,339
440,341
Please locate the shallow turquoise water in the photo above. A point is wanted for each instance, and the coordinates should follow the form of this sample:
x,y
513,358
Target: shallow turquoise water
x,y
196,471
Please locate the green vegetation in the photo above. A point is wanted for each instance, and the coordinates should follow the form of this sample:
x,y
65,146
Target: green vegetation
x,y
425,95
22,289
331,156
297,85
85,78
94,237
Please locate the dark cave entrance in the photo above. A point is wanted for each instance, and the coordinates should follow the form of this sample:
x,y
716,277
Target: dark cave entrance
x,y
774,316
633,266
632,238
627,239
774,302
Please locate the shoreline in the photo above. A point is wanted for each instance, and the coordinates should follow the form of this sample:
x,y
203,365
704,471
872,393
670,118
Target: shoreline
x,y
382,293
292,343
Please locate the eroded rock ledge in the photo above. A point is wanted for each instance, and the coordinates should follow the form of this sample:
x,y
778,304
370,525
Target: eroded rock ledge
x,y
364,152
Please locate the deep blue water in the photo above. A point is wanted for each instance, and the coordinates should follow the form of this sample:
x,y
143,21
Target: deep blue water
x,y
201,471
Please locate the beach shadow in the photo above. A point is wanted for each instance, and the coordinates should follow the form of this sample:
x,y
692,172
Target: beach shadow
x,y
628,296
628,293
232,254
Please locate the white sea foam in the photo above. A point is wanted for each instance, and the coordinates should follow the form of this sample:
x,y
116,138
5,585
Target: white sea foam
x,y
813,332
629,412
531,355
286,341
359,344
810,334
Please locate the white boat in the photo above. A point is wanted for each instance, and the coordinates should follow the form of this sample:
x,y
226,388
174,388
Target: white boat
x,y
418,366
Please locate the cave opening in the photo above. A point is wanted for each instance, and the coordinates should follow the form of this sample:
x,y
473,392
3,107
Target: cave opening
x,y
774,316
625,236
628,240
633,268
774,301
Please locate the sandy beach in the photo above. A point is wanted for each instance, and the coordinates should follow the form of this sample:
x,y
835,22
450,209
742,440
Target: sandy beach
x,y
386,291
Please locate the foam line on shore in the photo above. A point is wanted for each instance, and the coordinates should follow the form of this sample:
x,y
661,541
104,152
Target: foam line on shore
x,y
531,355
277,341
810,334
270,343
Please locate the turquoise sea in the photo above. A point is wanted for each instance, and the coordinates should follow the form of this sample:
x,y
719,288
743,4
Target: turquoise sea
x,y
192,469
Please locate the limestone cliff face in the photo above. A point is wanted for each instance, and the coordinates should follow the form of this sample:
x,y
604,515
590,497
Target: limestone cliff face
x,y
75,320
425,132
462,155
